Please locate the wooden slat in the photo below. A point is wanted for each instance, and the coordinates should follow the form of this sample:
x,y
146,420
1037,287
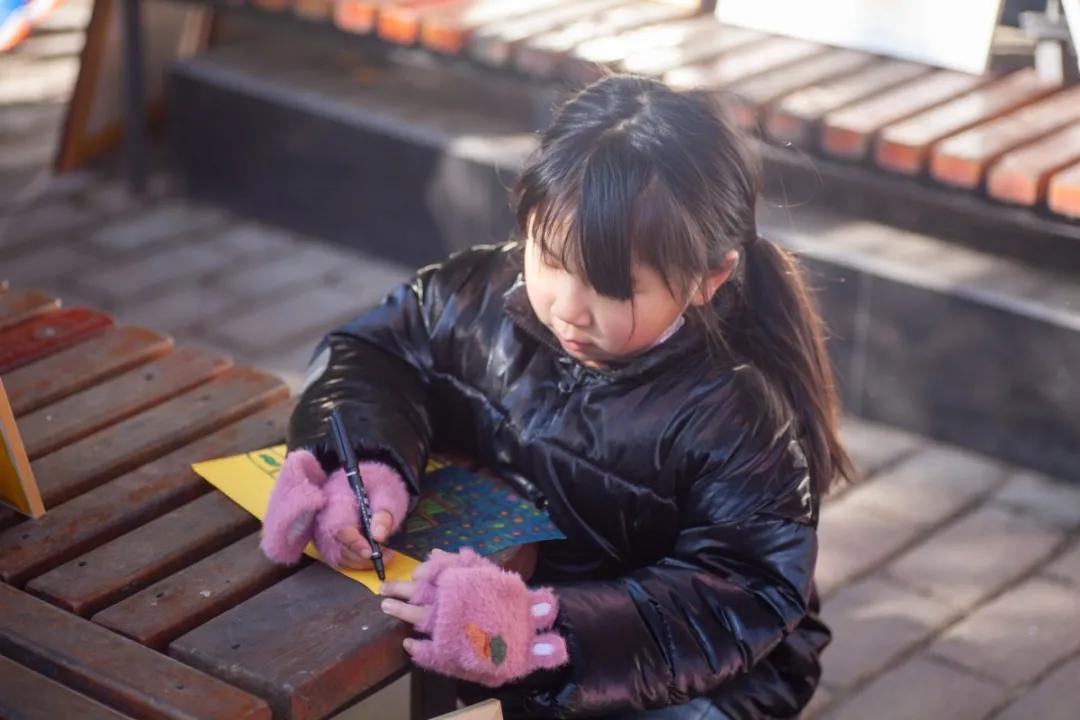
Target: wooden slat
x,y
313,10
962,160
905,146
48,333
658,49
399,22
755,95
544,55
1064,193
27,695
338,644
125,446
145,555
849,132
273,5
356,16
1023,175
18,306
181,602
449,29
796,117
93,361
95,408
494,44
742,63
112,669
87,521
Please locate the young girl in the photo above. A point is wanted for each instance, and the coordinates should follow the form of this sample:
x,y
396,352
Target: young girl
x,y
645,367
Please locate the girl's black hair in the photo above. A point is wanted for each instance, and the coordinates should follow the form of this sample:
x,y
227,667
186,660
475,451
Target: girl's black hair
x,y
631,170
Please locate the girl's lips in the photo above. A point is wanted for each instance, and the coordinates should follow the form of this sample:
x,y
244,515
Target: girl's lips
x,y
575,345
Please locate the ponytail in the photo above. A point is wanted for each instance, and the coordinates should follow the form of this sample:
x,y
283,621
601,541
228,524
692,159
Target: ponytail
x,y
781,332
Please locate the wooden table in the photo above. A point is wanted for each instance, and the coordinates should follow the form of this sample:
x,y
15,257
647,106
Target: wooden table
x,y
142,592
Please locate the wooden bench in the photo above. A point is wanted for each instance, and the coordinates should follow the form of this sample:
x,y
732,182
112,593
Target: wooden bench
x,y
141,592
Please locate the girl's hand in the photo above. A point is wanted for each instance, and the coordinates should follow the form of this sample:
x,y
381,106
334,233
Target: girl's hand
x,y
355,551
485,625
290,516
337,526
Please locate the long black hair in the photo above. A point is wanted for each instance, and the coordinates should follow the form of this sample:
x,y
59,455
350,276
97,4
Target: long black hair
x,y
633,171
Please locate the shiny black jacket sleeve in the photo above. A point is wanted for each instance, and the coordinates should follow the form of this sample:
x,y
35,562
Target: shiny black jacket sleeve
x,y
737,581
377,371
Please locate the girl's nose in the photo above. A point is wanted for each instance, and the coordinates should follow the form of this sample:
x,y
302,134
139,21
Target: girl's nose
x,y
571,305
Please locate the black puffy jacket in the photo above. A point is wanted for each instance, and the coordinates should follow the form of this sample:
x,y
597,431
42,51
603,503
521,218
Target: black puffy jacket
x,y
685,498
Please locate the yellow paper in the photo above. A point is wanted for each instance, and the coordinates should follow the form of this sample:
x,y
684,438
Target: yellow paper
x,y
17,484
248,480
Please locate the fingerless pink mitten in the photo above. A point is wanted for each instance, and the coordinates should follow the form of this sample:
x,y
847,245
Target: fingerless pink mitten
x,y
385,490
485,625
306,505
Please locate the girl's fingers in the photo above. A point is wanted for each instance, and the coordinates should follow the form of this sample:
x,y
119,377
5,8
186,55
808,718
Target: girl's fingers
x,y
380,525
404,589
351,538
412,614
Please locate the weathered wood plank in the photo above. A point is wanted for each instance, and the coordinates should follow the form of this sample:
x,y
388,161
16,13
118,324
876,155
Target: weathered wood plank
x,y
125,446
1023,175
399,21
656,49
904,147
744,62
48,333
962,160
494,44
112,669
796,117
18,306
27,695
87,521
181,602
754,96
849,132
145,555
338,645
109,402
1064,193
69,371
448,28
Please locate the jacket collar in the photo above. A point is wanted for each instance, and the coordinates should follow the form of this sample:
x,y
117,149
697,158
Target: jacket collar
x,y
686,340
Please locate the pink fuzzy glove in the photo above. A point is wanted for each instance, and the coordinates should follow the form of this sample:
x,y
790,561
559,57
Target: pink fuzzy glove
x,y
306,505
337,525
485,625
294,503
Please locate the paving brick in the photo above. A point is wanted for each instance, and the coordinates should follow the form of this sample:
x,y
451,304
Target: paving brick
x,y
1054,698
1067,566
873,446
1018,635
977,556
288,271
1043,496
854,540
150,275
185,308
920,689
30,80
252,239
873,622
371,278
275,323
49,222
45,265
930,486
173,219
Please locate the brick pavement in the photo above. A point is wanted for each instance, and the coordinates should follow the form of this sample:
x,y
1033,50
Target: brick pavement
x,y
952,581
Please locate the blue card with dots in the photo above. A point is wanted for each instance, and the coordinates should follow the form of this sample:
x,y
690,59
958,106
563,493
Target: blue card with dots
x,y
459,508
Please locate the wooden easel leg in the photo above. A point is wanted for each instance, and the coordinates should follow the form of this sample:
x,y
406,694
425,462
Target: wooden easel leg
x,y
431,694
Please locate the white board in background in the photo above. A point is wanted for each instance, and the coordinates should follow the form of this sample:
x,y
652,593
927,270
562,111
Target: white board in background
x,y
954,34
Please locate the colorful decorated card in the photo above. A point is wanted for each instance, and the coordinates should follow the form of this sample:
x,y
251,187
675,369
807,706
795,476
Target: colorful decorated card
x,y
457,507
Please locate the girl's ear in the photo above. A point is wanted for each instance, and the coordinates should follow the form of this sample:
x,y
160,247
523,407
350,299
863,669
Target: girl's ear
x,y
715,279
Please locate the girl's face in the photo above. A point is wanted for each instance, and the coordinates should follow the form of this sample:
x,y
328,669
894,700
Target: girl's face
x,y
592,328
